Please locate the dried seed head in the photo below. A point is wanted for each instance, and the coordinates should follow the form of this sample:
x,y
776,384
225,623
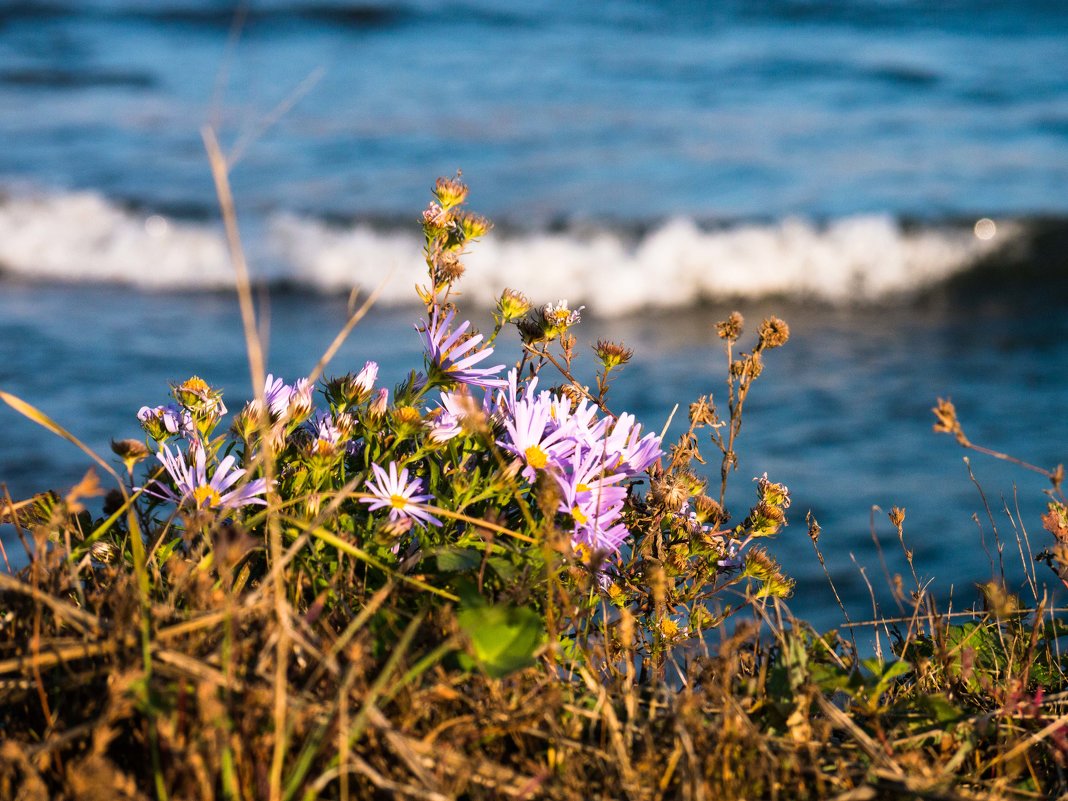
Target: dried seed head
x,y
773,333
897,516
447,267
673,489
709,511
814,529
703,412
731,328
612,354
946,421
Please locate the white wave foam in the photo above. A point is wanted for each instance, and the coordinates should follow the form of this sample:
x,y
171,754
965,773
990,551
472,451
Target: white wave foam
x,y
82,237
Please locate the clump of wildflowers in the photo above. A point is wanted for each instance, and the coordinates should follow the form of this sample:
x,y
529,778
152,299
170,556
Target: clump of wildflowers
x,y
538,464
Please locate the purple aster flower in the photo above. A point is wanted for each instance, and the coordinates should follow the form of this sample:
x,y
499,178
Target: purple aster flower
x,y
630,451
532,439
276,395
365,379
606,537
443,425
193,487
588,495
160,422
456,357
398,494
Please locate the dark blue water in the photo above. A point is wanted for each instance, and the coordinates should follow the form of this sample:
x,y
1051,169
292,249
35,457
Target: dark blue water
x,y
624,109
648,160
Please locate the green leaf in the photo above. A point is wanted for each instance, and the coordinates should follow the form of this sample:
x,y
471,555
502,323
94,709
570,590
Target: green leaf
x,y
504,568
503,638
941,709
458,560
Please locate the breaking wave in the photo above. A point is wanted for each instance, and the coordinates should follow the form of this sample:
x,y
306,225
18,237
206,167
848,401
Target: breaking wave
x,y
83,237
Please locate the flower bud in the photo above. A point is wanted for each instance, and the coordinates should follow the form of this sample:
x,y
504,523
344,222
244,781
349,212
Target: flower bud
x,y
612,354
131,451
473,226
512,305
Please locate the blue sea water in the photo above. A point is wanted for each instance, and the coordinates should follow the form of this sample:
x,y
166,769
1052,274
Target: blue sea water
x,y
826,161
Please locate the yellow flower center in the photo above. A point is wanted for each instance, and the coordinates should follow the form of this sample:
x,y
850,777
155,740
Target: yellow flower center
x,y
195,384
580,518
582,552
582,488
536,457
206,496
398,501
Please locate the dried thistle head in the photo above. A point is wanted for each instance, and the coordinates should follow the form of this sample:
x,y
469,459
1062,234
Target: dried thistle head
x,y
773,333
450,191
612,354
731,328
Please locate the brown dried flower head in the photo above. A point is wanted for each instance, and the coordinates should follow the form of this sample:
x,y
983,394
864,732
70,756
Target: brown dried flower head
x,y
709,511
773,333
946,421
703,412
731,328
447,267
897,516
